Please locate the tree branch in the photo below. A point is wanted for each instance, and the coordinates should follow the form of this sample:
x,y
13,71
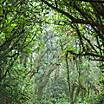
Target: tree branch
x,y
99,57
58,10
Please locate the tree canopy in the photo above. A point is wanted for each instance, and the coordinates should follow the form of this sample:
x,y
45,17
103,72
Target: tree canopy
x,y
87,15
51,51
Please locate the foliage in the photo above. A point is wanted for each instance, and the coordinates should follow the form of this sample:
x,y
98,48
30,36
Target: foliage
x,y
51,52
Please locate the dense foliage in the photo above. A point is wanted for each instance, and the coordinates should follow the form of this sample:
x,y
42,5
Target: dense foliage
x,y
51,52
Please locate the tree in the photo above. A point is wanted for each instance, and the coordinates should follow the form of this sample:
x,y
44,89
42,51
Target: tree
x,y
87,15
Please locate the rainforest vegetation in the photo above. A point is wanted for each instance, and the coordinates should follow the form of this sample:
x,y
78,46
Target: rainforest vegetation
x,y
51,51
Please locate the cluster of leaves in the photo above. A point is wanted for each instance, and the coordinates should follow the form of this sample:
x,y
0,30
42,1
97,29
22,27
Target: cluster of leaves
x,y
16,87
86,18
19,23
39,42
